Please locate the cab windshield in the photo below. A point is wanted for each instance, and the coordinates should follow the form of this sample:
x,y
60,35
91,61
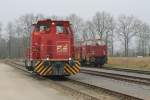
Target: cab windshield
x,y
62,29
42,27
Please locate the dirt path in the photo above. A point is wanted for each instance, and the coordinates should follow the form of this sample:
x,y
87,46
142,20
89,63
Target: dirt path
x,y
16,86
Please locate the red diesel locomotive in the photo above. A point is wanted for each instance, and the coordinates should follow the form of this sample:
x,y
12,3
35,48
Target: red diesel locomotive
x,y
92,52
52,49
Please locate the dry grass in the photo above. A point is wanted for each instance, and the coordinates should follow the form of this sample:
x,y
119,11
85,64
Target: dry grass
x,y
130,62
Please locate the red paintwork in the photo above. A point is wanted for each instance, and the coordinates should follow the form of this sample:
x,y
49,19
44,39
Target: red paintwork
x,y
50,44
87,51
94,51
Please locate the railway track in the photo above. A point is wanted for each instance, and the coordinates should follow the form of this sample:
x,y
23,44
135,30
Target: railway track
x,y
127,70
107,67
127,78
64,84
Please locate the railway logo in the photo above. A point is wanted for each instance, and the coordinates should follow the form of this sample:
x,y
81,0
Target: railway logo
x,y
62,48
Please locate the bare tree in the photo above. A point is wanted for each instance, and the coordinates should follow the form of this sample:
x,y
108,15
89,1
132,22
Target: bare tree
x,y
9,30
100,22
111,28
19,36
3,47
0,27
77,24
126,30
90,30
24,29
104,26
1,41
26,23
85,34
39,17
143,31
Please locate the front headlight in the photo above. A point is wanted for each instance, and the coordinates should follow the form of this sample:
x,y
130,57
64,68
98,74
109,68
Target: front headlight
x,y
47,58
70,58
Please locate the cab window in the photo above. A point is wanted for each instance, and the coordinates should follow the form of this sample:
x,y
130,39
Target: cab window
x,y
42,27
60,29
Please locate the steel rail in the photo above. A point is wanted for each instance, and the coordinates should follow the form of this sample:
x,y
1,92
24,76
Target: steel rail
x,y
117,76
127,70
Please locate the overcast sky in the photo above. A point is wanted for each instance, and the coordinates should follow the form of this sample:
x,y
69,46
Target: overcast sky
x,y
11,9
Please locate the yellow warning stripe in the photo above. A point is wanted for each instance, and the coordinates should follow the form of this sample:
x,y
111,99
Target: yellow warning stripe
x,y
65,70
38,66
78,67
50,72
78,63
47,71
70,69
74,69
38,62
41,68
77,70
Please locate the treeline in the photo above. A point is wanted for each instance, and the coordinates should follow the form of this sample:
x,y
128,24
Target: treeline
x,y
124,35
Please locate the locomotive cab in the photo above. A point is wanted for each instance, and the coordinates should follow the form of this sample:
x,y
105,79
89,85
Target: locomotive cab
x,y
52,49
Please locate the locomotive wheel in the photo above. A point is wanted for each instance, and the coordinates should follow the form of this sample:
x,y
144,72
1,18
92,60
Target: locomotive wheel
x,y
92,61
100,61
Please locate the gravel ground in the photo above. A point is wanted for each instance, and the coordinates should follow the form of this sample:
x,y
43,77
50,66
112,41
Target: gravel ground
x,y
119,86
93,92
16,86
136,90
78,91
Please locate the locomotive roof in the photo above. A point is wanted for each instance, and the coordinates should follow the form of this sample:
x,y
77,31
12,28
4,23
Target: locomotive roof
x,y
49,20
